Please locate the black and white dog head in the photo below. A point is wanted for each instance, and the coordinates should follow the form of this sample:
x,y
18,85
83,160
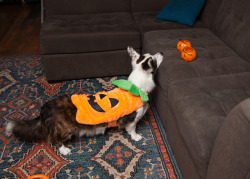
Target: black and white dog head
x,y
147,62
144,68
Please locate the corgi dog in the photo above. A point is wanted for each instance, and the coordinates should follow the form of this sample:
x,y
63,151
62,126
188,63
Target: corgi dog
x,y
57,120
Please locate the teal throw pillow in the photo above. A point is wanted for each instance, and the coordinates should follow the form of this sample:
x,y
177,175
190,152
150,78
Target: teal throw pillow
x,y
181,11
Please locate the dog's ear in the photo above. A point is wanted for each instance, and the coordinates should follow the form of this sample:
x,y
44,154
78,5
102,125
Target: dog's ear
x,y
132,53
159,58
134,56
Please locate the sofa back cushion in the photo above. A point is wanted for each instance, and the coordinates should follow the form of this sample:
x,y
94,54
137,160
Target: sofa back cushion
x,y
209,12
148,5
232,24
56,7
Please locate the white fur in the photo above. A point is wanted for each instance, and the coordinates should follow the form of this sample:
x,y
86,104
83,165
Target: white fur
x,y
9,128
145,81
137,77
130,128
97,131
132,53
64,150
141,78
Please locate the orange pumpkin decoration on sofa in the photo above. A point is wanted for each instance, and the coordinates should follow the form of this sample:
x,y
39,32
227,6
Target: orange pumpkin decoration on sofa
x,y
188,54
105,107
183,44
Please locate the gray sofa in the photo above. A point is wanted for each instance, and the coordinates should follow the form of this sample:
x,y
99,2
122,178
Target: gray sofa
x,y
200,103
82,39
204,105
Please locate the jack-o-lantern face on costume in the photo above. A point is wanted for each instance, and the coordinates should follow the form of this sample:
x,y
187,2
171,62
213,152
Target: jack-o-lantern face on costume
x,y
105,107
102,100
183,44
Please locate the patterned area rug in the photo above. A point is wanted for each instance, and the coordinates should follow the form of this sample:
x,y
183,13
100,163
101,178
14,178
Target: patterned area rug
x,y
24,89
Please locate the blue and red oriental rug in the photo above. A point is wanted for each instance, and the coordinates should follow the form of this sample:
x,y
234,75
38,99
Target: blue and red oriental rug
x,y
24,89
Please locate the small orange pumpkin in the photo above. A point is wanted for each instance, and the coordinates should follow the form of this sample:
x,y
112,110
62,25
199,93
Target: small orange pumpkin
x,y
188,54
183,44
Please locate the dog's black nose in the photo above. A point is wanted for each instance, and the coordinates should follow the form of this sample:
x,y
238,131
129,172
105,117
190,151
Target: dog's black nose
x,y
161,53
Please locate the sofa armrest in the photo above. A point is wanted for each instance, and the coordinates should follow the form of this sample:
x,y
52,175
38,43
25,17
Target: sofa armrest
x,y
231,152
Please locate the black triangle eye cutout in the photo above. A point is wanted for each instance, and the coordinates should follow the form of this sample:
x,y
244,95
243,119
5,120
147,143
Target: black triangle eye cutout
x,y
113,102
102,96
94,104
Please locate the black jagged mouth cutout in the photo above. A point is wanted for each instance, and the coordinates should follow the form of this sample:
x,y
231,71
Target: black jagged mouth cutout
x,y
96,106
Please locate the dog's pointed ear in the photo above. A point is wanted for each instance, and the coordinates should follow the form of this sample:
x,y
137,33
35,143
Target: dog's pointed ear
x,y
159,58
132,53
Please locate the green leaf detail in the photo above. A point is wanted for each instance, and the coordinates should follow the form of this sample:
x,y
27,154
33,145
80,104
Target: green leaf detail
x,y
134,90
123,84
144,97
127,85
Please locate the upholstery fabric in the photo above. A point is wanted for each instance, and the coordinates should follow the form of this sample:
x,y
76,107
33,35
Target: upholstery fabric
x,y
89,33
146,21
214,57
66,7
235,145
87,65
177,143
200,106
209,11
232,25
181,11
147,5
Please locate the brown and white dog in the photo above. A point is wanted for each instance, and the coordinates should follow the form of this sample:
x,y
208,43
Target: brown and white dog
x,y
57,121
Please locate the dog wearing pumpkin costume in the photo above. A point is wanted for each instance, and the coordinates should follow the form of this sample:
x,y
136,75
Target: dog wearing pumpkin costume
x,y
89,115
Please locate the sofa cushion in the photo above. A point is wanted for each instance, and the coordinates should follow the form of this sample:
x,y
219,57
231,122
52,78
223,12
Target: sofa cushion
x,y
147,5
209,11
214,57
201,105
86,65
232,25
147,21
89,33
63,7
181,11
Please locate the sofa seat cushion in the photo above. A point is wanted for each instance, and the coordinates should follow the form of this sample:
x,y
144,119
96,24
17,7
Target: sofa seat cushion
x,y
214,57
147,21
89,33
200,106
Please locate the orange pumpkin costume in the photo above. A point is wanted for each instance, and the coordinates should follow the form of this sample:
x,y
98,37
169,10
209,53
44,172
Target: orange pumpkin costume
x,y
105,107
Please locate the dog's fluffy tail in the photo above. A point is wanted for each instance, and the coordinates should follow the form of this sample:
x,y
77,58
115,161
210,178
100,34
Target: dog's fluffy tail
x,y
27,130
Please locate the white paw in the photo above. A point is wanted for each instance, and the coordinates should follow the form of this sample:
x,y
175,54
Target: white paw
x,y
136,137
9,128
64,150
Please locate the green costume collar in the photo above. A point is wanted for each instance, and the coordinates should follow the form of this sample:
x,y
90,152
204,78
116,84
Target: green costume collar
x,y
127,85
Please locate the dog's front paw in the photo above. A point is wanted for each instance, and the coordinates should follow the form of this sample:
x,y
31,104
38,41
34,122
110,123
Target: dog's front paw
x,y
136,137
64,150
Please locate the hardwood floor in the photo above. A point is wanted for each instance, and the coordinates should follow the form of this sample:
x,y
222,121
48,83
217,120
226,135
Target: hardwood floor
x,y
19,29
